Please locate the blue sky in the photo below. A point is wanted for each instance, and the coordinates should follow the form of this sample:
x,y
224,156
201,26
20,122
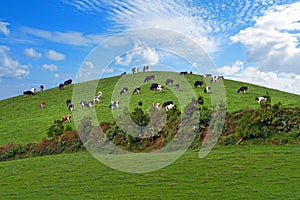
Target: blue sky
x,y
45,42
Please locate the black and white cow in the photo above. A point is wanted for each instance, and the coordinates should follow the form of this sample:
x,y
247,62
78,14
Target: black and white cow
x,y
69,105
243,89
207,89
177,86
114,104
83,103
216,79
169,81
61,86
136,90
41,88
260,99
153,86
198,84
148,78
124,90
159,88
168,105
145,68
135,70
28,93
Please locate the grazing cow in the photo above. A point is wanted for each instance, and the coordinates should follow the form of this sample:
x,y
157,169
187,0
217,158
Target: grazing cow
x,y
83,103
177,86
123,73
169,81
33,90
243,89
159,88
99,94
68,82
260,99
207,75
198,84
42,105
207,89
124,90
135,70
61,86
183,73
153,86
66,119
68,101
28,93
216,79
156,105
168,105
90,104
148,78
97,99
71,107
136,90
41,88
145,68
114,104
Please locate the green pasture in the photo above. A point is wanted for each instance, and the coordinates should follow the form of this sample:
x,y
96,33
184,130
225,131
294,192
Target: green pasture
x,y
232,172
22,121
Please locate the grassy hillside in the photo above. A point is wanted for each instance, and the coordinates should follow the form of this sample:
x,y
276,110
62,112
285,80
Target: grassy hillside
x,y
22,120
238,172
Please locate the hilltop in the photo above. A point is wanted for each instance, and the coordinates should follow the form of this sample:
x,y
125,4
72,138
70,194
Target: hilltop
x,y
22,120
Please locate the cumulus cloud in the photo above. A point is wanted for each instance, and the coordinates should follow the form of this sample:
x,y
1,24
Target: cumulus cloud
x,y
31,53
273,41
230,70
139,54
10,67
53,55
50,67
3,28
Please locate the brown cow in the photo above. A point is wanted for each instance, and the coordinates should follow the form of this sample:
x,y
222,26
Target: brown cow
x,y
66,119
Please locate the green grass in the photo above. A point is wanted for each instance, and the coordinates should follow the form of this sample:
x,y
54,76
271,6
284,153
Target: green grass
x,y
234,172
22,121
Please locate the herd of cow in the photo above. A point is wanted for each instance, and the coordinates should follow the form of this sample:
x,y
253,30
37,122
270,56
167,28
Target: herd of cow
x,y
154,87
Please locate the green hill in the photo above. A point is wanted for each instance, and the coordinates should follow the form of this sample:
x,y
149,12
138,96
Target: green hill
x,y
23,121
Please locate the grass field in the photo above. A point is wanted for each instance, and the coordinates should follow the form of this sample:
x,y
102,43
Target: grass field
x,y
22,121
233,172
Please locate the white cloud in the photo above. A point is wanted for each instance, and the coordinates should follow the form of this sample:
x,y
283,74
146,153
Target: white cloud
x,y
56,75
107,70
9,67
89,64
4,29
53,55
230,70
140,54
50,67
273,42
31,53
71,38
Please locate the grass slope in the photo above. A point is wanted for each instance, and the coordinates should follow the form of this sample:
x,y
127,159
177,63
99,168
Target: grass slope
x,y
236,172
22,120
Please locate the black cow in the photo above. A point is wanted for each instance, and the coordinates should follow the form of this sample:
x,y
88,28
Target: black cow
x,y
198,84
183,73
243,89
68,102
153,86
136,90
148,78
124,90
177,86
61,86
68,82
41,88
169,81
28,93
